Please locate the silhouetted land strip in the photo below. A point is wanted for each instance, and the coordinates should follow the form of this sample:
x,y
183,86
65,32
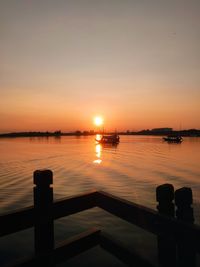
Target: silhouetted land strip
x,y
190,133
178,238
31,134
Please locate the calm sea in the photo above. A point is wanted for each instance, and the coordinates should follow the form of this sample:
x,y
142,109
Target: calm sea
x,y
131,170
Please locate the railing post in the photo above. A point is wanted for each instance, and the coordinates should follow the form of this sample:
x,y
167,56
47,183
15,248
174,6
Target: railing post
x,y
43,203
185,248
166,246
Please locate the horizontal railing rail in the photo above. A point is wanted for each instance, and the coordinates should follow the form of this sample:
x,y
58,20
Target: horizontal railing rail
x,y
64,251
147,218
178,238
141,216
24,218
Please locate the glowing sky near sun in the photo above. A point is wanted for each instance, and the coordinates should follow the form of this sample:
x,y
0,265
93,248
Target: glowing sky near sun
x,y
135,62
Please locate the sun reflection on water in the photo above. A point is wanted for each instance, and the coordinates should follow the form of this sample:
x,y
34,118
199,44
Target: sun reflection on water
x,y
98,137
98,151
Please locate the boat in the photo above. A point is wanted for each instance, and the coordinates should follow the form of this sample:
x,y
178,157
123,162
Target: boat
x,y
109,139
173,139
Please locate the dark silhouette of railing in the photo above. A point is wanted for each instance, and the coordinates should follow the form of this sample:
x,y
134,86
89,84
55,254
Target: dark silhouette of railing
x,y
178,238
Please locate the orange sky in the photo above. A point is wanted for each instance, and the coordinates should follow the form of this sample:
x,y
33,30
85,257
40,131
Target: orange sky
x,y
136,63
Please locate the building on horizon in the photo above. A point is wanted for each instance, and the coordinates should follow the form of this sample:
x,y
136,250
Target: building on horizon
x,y
162,130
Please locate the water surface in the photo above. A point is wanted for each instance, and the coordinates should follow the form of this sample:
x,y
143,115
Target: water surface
x,y
131,170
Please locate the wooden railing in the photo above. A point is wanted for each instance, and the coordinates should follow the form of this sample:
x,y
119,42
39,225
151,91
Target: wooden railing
x,y
178,238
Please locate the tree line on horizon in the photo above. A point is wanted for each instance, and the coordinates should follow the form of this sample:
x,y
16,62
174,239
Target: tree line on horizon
x,y
58,133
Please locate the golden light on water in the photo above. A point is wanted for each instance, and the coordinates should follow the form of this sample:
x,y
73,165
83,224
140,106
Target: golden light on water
x,y
98,150
98,121
98,137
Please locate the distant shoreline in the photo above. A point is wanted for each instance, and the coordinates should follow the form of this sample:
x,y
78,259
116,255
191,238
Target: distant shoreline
x,y
187,133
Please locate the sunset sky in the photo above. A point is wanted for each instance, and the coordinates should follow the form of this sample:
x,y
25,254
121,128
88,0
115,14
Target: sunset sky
x,y
134,62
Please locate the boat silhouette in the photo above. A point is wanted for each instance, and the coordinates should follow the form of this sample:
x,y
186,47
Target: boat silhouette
x,y
109,139
173,139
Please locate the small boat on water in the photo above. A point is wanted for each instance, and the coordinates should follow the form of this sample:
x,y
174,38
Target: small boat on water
x,y
108,139
173,139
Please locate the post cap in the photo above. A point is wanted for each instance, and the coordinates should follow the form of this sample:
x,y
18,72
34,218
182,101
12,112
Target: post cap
x,y
183,196
165,193
43,177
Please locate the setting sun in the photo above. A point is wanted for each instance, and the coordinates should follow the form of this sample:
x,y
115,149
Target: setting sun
x,y
98,121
